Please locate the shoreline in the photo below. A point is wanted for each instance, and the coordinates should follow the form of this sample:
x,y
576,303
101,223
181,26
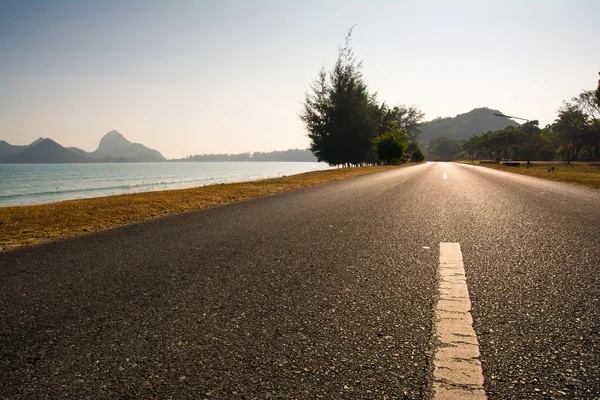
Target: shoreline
x,y
37,184
30,224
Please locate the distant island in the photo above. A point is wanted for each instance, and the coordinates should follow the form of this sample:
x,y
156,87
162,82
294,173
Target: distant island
x,y
113,147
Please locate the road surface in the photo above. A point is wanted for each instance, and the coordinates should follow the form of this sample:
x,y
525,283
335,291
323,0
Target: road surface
x,y
325,292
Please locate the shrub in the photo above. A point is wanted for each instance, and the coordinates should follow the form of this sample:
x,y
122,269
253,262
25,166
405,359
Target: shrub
x,y
389,148
417,156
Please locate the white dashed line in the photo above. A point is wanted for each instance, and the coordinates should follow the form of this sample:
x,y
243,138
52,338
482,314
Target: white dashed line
x,y
445,176
457,370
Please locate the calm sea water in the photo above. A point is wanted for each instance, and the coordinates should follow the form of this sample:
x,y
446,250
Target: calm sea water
x,y
22,184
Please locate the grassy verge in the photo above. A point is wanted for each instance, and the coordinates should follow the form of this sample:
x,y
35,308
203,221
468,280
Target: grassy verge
x,y
578,173
24,225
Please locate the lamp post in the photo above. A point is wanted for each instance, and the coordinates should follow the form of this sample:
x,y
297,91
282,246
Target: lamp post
x,y
528,128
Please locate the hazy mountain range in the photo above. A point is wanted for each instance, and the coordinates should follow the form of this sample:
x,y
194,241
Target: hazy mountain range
x,y
113,147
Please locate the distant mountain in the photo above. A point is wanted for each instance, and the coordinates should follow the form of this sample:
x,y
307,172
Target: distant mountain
x,y
463,126
80,152
45,151
38,140
115,147
8,150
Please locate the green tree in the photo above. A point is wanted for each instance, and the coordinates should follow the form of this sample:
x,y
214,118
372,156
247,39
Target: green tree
x,y
410,118
444,147
411,147
548,143
501,143
340,116
471,146
316,116
570,128
527,142
390,147
578,126
417,155
598,93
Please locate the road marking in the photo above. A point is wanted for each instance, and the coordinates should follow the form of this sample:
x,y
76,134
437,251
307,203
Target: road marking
x,y
445,176
457,370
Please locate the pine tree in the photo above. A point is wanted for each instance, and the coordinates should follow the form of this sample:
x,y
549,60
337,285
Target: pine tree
x,y
598,93
339,113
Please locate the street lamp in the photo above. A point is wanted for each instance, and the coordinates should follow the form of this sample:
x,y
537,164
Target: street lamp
x,y
528,128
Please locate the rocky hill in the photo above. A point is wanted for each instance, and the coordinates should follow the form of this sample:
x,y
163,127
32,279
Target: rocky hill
x,y
113,147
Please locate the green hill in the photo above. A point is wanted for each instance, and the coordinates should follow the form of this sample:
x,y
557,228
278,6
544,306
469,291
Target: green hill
x,y
465,125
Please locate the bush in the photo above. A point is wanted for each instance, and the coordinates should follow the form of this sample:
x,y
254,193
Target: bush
x,y
417,156
398,161
390,148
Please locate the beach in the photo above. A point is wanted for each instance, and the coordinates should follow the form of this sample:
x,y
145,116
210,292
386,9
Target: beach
x,y
26,225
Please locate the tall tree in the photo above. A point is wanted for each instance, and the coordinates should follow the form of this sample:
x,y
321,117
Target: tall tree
x,y
410,118
570,127
316,116
587,103
497,144
598,93
530,133
341,117
471,146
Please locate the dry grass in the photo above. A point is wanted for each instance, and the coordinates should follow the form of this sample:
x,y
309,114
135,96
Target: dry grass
x,y
578,173
24,225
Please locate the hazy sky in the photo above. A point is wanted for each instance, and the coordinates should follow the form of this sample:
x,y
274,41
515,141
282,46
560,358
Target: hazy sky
x,y
191,77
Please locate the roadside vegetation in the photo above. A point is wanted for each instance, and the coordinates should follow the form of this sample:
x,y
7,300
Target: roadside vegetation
x,y
578,173
348,127
24,225
573,136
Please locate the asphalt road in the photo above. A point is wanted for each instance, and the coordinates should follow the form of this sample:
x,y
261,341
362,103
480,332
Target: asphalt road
x,y
325,292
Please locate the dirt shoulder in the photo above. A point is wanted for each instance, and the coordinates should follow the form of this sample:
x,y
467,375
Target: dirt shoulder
x,y
24,225
578,173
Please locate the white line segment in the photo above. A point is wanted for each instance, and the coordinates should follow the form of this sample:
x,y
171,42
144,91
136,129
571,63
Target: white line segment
x,y
457,370
445,176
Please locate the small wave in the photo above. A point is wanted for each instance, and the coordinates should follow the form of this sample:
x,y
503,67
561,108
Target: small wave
x,y
124,188
123,181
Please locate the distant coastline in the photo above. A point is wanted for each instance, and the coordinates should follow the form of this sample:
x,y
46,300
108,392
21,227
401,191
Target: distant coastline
x,y
115,148
292,155
24,184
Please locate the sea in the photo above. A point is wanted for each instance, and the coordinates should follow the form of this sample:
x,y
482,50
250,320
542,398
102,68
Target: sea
x,y
26,184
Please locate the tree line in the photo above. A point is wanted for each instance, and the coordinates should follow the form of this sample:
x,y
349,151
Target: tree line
x,y
292,155
574,135
346,124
